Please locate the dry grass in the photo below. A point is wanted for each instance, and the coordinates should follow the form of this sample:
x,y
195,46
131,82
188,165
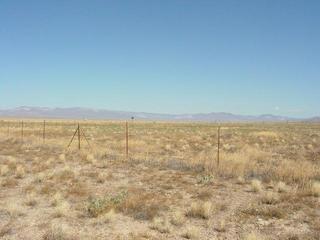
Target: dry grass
x,y
191,232
178,218
256,186
282,187
315,189
253,236
20,172
167,187
200,210
162,225
59,232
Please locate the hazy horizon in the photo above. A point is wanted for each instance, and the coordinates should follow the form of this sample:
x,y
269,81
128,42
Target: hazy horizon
x,y
155,113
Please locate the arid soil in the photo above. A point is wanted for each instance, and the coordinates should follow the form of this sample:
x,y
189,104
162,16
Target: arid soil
x,y
163,190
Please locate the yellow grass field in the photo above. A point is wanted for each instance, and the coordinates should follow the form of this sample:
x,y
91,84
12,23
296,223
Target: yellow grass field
x,y
266,186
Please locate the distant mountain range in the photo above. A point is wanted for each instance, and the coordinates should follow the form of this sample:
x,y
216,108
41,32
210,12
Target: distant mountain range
x,y
101,114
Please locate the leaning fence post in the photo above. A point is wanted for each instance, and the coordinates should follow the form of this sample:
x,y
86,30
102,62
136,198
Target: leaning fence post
x,y
127,140
218,152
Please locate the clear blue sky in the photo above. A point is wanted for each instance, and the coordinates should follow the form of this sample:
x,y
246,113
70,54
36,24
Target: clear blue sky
x,y
166,56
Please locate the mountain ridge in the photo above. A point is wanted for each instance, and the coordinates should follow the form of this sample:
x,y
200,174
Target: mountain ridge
x,y
103,114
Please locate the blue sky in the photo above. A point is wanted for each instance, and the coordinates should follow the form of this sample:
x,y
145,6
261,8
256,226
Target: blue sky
x,y
244,57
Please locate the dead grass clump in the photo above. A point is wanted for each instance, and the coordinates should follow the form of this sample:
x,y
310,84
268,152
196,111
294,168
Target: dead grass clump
x,y
90,158
162,225
56,199
269,198
315,189
267,134
62,158
4,170
295,172
58,232
142,205
243,162
14,210
241,180
12,163
62,209
256,186
20,172
281,187
39,178
265,211
101,178
221,226
178,218
200,210
252,236
191,232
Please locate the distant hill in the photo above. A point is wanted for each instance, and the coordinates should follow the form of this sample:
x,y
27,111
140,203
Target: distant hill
x,y
100,114
314,119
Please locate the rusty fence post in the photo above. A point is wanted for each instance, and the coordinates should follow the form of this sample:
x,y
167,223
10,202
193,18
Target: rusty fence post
x,y
44,131
22,130
79,137
218,143
127,140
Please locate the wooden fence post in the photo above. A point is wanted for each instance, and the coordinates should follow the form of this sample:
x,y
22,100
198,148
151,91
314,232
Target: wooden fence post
x,y
79,137
218,152
22,130
44,131
127,140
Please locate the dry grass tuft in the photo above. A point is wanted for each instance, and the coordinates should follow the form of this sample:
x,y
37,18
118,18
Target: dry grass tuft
x,y
162,225
20,172
252,236
221,226
200,210
58,232
256,186
61,209
14,210
241,180
62,157
269,198
56,199
191,232
4,170
315,189
281,187
178,218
